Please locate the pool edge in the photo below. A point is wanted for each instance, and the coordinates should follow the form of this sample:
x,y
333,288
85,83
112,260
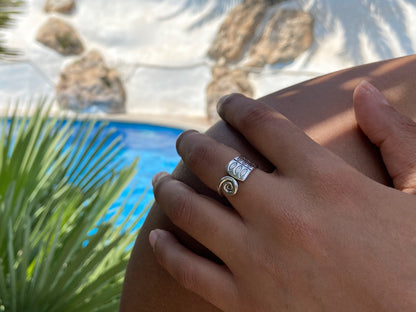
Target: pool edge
x,y
179,121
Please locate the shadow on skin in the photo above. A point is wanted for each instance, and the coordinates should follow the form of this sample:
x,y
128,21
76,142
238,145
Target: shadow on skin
x,y
323,108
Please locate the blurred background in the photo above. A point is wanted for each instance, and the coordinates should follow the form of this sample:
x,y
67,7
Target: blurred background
x,y
175,58
74,194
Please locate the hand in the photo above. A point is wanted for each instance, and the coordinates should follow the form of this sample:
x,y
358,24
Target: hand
x,y
315,235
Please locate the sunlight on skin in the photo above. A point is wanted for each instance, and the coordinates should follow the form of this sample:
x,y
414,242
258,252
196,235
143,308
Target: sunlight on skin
x,y
338,124
275,220
149,288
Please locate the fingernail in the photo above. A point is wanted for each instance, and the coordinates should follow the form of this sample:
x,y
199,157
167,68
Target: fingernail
x,y
182,135
157,177
367,86
221,101
153,238
373,91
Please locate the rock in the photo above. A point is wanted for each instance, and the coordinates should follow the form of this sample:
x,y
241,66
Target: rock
x,y
60,36
286,36
225,81
237,30
60,6
88,84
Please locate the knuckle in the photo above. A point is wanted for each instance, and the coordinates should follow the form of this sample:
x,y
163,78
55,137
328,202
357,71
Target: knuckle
x,y
400,131
181,210
306,229
185,275
160,185
199,154
255,115
182,138
303,228
229,99
407,129
161,252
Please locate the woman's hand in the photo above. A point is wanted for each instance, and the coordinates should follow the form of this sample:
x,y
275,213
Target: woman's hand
x,y
314,235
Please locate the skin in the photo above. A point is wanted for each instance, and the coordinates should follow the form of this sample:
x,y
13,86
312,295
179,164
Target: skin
x,y
323,108
315,234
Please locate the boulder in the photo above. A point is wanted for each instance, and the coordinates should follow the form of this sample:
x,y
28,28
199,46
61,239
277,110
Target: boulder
x,y
225,81
60,6
89,85
237,30
60,36
286,36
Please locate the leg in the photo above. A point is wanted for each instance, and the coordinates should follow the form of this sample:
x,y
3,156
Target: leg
x,y
323,108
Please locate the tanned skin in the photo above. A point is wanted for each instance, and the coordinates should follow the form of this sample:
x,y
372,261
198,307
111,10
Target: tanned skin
x,y
322,107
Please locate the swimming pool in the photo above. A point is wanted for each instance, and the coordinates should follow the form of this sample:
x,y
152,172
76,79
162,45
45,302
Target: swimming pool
x,y
155,147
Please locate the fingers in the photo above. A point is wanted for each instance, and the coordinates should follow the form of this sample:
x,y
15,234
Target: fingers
x,y
392,132
274,136
207,159
209,222
211,281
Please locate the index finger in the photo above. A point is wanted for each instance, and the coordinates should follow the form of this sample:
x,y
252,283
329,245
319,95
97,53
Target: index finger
x,y
272,134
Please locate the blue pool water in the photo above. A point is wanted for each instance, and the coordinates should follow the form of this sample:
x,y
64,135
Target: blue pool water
x,y
155,147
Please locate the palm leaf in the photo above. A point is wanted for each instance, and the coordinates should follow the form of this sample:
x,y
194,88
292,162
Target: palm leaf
x,y
57,253
8,10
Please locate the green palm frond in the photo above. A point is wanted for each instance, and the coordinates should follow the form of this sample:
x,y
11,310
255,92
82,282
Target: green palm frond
x,y
56,184
8,10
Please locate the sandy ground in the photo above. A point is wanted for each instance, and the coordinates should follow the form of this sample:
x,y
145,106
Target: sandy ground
x,y
159,47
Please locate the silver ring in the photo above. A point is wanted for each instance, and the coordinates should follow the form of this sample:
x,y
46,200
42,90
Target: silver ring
x,y
227,185
238,168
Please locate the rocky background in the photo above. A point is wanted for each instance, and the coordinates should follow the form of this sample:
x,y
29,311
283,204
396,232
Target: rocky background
x,y
177,58
248,38
87,82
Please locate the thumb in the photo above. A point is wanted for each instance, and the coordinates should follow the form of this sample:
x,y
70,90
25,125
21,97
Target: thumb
x,y
393,133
